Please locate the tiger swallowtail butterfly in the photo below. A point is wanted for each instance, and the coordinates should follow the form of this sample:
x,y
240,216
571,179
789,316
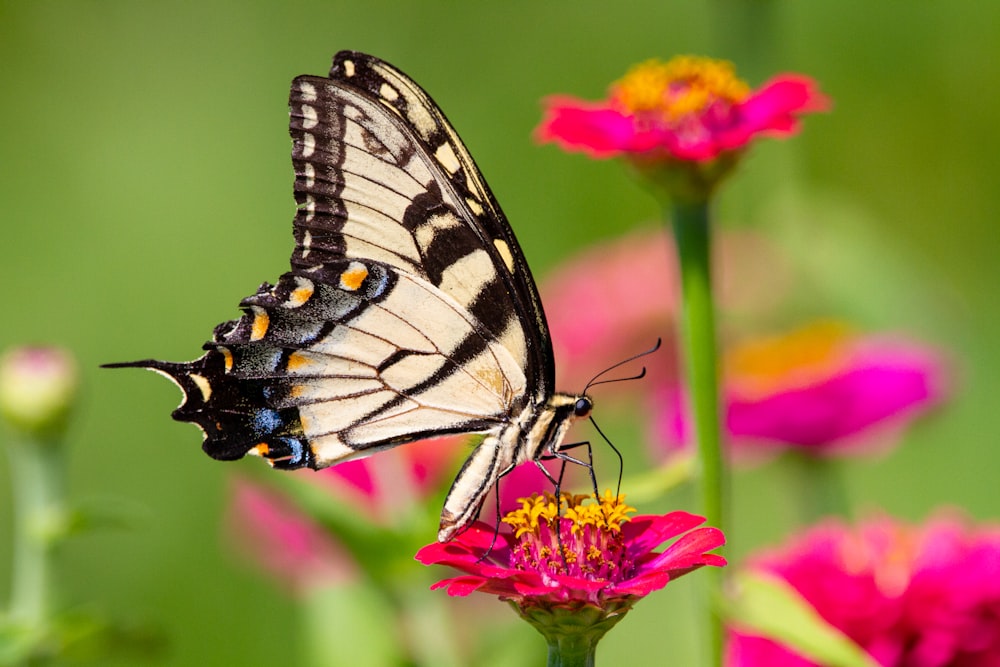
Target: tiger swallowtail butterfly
x,y
409,310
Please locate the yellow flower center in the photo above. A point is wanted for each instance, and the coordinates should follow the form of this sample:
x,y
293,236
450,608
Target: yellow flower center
x,y
541,511
683,86
579,535
794,359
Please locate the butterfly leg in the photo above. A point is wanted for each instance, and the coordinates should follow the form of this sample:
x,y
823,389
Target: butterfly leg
x,y
566,458
557,484
560,455
496,527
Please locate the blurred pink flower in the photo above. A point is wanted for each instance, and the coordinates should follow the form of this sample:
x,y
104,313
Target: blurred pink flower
x,y
387,485
605,556
911,596
271,532
614,299
611,301
285,542
687,109
819,389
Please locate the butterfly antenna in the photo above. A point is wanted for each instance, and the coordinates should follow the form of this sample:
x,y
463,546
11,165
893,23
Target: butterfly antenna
x,y
621,459
596,379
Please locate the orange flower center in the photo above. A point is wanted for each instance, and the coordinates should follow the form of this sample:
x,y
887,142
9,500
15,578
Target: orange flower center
x,y
885,551
794,359
684,86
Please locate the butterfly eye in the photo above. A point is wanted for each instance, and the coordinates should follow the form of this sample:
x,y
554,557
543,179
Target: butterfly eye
x,y
583,406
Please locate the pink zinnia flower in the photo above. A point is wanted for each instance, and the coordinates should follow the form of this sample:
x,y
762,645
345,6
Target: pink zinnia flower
x,y
819,389
386,487
287,543
911,596
571,555
687,109
620,320
274,534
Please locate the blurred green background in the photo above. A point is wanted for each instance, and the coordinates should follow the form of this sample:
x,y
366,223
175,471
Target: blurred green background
x,y
145,187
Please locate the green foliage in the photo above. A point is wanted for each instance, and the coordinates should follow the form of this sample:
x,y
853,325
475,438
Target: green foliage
x,y
145,187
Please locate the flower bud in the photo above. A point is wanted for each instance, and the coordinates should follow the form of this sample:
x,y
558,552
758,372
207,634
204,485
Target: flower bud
x,y
38,386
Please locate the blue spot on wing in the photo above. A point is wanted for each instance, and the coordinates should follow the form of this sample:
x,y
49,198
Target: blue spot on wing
x,y
266,422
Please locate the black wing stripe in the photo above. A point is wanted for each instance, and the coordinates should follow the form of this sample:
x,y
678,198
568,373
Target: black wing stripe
x,y
431,128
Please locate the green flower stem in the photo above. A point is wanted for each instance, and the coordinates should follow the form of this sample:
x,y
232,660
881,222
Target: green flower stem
x,y
572,632
39,522
571,651
693,233
820,487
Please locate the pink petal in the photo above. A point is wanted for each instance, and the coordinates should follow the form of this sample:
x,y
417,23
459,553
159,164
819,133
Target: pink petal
x,y
646,532
593,128
536,590
460,586
643,584
879,385
749,651
354,474
773,108
690,550
881,382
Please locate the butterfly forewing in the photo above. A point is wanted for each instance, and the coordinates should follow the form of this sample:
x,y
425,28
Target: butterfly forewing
x,y
394,181
409,311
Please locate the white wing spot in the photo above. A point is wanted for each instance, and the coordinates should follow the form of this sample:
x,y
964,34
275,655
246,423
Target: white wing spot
x,y
307,239
309,117
445,155
308,91
504,251
308,144
425,233
474,204
310,173
204,386
310,208
388,92
349,68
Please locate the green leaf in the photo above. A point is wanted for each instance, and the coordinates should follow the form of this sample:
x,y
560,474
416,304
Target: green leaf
x,y
769,607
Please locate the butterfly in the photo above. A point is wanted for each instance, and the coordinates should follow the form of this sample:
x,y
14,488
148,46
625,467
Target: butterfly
x,y
409,311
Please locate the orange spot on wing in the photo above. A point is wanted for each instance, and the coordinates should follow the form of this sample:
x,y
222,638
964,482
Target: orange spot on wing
x,y
297,361
300,295
260,449
227,357
261,320
352,278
